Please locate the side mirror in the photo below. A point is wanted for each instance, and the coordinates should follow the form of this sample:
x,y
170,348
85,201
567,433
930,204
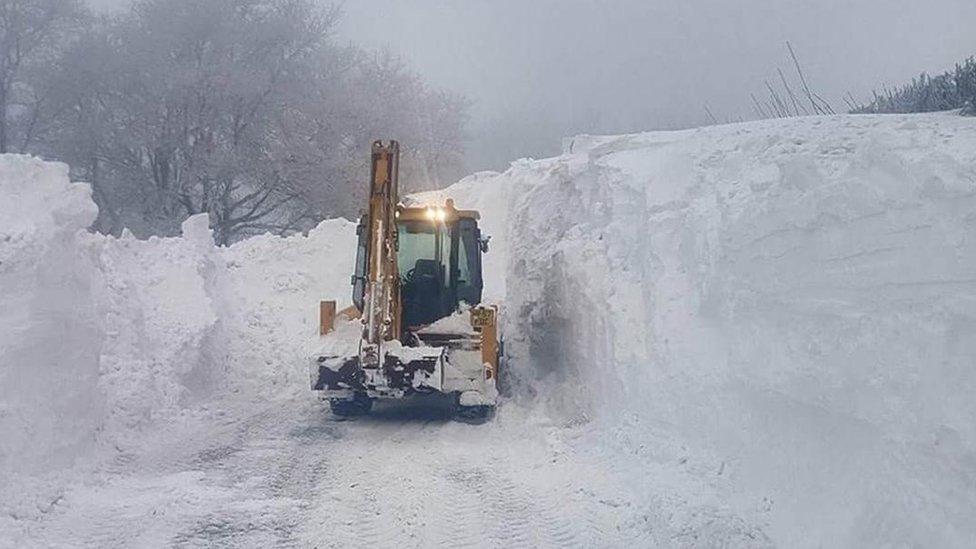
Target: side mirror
x,y
483,243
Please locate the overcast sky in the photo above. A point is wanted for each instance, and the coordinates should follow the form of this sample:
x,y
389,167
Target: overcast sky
x,y
541,69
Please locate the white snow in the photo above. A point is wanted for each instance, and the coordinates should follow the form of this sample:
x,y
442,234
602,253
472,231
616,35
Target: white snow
x,y
796,298
103,339
49,333
744,335
458,323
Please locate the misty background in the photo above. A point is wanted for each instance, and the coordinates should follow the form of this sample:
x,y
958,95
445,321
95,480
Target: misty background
x,y
541,70
260,113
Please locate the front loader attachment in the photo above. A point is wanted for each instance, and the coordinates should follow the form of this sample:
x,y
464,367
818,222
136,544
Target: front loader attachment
x,y
457,355
401,370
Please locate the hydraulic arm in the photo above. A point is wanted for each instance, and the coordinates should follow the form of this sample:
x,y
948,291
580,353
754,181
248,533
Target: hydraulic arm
x,y
382,304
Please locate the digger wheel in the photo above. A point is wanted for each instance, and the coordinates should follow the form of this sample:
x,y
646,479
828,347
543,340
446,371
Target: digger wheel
x,y
473,415
359,405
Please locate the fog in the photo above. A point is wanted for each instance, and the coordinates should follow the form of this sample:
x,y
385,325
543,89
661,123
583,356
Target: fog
x,y
537,71
543,69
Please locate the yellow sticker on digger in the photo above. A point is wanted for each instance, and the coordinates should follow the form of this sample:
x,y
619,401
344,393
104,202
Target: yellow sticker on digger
x,y
481,317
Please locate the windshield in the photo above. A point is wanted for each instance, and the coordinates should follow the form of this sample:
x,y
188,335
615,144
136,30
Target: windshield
x,y
424,260
424,251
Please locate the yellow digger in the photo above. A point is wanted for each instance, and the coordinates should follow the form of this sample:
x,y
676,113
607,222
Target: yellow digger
x,y
417,292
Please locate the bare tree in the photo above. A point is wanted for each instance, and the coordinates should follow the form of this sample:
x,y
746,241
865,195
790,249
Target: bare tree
x,y
32,33
241,109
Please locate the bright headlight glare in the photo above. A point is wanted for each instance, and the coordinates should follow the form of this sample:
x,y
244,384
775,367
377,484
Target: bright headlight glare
x,y
441,214
431,214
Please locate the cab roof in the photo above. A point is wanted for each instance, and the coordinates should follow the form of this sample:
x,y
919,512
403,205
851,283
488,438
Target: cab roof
x,y
447,212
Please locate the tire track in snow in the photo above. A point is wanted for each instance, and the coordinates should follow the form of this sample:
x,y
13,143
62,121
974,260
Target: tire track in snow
x,y
508,510
419,484
297,477
369,499
458,517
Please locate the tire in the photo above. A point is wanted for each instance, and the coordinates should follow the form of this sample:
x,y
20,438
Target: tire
x,y
359,405
473,415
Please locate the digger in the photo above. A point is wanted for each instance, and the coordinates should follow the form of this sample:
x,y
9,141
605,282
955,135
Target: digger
x,y
417,292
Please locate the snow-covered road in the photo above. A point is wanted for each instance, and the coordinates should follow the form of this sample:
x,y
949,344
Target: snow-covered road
x,y
292,475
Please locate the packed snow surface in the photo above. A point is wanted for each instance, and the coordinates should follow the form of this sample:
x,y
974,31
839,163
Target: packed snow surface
x,y
746,335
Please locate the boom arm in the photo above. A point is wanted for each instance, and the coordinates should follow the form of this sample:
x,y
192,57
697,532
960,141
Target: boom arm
x,y
382,300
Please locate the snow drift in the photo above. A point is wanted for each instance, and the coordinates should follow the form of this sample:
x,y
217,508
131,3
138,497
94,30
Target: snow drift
x,y
100,336
797,297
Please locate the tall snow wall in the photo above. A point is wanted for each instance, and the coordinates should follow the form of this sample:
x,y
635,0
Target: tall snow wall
x,y
49,331
100,336
797,297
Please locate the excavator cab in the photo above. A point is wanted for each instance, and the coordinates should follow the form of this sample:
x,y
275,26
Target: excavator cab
x,y
438,251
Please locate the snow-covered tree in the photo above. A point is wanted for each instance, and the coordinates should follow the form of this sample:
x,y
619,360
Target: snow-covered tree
x,y
955,89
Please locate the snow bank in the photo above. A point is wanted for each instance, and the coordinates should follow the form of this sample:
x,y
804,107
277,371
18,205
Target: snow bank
x,y
796,296
99,336
49,330
274,286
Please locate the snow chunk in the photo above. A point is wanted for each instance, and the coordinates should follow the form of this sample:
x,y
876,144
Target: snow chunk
x,y
196,228
458,323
